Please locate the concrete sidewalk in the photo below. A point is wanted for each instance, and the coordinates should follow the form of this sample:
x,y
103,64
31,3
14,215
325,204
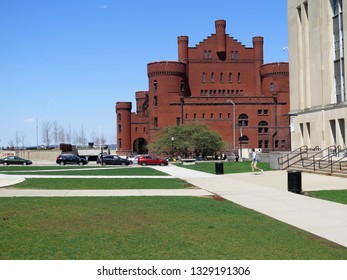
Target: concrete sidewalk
x,y
268,194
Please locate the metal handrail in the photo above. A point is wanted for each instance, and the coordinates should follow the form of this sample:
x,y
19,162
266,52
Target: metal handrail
x,y
339,161
313,157
299,152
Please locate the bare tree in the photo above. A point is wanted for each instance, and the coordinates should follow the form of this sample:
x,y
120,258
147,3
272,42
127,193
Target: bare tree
x,y
11,143
82,138
101,140
22,139
68,136
17,139
55,126
47,133
61,135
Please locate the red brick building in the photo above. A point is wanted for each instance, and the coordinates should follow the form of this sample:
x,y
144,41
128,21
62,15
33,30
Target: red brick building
x,y
220,83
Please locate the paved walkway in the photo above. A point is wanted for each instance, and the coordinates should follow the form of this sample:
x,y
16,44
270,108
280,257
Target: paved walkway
x,y
265,193
268,194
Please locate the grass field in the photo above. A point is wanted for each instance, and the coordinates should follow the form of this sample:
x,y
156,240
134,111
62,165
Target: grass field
x,y
229,167
149,228
84,170
339,196
101,184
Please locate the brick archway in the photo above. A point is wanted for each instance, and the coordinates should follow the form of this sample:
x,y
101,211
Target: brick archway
x,y
140,146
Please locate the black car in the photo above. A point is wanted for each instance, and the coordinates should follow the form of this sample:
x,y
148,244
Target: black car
x,y
71,159
15,160
114,160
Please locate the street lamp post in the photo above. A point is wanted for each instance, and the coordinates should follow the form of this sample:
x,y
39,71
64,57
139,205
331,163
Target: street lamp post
x,y
172,145
234,146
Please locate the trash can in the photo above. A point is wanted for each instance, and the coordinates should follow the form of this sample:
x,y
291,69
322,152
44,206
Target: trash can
x,y
294,181
219,168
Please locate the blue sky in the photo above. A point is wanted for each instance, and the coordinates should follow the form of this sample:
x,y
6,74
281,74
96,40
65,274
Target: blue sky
x,y
70,61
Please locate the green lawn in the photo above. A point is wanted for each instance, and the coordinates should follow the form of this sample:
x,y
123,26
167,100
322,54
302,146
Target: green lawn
x,y
42,167
339,196
101,184
84,171
229,167
153,228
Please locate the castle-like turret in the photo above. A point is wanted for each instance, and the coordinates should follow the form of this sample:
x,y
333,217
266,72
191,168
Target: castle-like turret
x,y
183,51
275,78
123,112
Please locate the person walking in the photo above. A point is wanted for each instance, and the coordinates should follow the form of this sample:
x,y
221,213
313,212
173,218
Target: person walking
x,y
255,160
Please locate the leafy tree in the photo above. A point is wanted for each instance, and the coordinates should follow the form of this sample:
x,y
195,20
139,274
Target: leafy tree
x,y
187,139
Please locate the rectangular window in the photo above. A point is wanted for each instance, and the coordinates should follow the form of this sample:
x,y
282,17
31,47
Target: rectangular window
x,y
338,39
260,144
155,122
155,101
178,121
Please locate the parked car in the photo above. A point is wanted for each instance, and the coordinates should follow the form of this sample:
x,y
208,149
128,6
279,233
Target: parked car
x,y
134,159
15,160
71,159
151,160
114,160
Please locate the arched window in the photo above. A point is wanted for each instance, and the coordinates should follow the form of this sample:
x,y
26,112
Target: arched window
x,y
119,117
203,77
230,78
244,139
221,77
155,85
209,55
263,128
243,120
212,77
205,54
239,77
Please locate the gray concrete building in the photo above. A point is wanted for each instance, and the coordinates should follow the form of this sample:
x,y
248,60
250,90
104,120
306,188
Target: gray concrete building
x,y
318,106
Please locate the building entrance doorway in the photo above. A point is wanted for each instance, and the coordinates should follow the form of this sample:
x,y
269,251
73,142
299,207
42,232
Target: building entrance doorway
x,y
140,146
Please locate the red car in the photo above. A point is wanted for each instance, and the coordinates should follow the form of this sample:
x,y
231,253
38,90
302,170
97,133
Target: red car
x,y
151,160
